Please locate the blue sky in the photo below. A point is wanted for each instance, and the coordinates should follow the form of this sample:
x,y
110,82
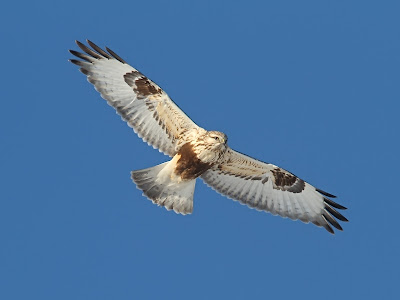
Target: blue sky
x,y
311,86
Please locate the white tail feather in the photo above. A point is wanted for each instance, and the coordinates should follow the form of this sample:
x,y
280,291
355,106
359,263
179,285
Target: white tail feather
x,y
165,189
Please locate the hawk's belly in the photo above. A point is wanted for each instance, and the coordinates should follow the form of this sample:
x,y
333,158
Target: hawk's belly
x,y
188,165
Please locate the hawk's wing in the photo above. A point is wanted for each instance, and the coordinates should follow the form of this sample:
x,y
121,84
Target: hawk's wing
x,y
267,187
139,101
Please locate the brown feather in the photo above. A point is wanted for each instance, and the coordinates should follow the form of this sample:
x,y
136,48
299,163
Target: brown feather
x,y
189,166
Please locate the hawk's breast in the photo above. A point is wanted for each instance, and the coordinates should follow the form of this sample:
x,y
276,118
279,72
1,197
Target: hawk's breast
x,y
189,166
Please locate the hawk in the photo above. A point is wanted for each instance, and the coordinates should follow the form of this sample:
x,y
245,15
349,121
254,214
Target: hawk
x,y
197,152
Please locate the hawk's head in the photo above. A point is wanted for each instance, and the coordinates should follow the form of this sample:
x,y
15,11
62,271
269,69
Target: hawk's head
x,y
210,146
216,139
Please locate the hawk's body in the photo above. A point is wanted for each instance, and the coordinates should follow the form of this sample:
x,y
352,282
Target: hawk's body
x,y
197,152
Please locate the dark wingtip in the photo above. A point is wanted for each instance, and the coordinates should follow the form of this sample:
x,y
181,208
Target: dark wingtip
x,y
98,53
98,49
325,193
89,51
324,224
79,44
115,55
84,71
75,62
81,55
332,221
328,228
335,213
334,204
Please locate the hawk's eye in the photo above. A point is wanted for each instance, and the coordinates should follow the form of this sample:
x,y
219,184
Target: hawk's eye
x,y
216,138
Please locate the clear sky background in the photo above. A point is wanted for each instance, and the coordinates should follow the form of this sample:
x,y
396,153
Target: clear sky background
x,y
311,86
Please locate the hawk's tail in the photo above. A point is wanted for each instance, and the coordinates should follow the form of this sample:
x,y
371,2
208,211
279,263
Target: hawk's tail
x,y
158,184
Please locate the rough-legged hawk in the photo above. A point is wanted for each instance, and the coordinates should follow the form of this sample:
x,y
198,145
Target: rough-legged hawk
x,y
197,152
